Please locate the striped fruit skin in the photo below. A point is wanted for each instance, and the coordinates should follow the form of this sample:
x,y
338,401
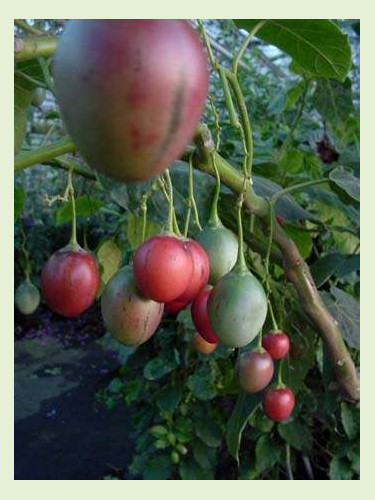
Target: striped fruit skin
x,y
70,281
131,92
129,317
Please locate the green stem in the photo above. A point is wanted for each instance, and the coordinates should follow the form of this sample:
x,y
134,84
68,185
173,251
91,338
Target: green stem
x,y
274,323
191,194
245,121
240,266
30,79
28,158
170,207
280,382
214,215
32,47
297,187
73,238
244,46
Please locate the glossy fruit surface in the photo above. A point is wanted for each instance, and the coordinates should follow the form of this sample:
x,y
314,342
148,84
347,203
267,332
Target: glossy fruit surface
x,y
174,306
70,281
278,404
163,268
255,370
131,92
27,298
200,317
221,246
277,344
202,345
237,308
129,317
201,272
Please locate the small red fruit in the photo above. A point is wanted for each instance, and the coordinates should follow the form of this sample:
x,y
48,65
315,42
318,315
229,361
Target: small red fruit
x,y
200,317
279,403
201,272
202,345
70,281
163,268
255,370
277,344
174,306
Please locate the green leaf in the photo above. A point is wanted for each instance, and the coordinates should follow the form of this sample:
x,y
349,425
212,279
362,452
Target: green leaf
x,y
190,470
267,453
204,455
325,267
109,257
85,206
209,432
169,397
350,419
159,367
246,405
351,264
19,202
302,239
355,460
115,386
159,467
297,434
334,102
346,180
317,45
293,95
346,311
134,229
339,468
201,384
158,431
291,161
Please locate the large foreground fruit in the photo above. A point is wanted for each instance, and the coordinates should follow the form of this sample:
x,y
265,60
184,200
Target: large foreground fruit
x,y
278,404
27,298
201,345
221,246
255,370
70,281
201,272
237,308
200,317
163,268
131,92
129,317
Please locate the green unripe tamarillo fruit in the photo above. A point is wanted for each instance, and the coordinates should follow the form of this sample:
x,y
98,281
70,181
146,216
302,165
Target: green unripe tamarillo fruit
x,y
237,308
129,317
27,298
221,246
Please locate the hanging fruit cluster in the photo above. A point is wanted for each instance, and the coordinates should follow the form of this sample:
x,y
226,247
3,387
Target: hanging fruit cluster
x,y
157,70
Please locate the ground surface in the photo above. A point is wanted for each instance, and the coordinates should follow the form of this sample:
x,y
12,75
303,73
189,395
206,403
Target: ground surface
x,y
60,433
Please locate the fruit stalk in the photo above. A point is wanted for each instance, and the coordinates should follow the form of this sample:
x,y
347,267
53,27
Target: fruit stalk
x,y
295,268
31,47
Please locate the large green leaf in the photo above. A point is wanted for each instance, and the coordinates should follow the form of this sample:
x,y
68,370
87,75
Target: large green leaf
x,y
159,467
345,309
317,45
109,258
297,434
245,406
267,453
134,229
190,470
325,267
339,469
346,180
350,419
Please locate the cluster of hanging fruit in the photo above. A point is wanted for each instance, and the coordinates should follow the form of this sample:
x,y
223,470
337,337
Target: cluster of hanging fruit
x,y
131,93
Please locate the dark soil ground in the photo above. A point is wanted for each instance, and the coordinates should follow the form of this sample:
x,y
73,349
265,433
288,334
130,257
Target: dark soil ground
x,y
60,431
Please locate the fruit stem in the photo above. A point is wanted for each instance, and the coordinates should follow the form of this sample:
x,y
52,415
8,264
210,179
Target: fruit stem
x,y
244,46
214,215
191,194
280,383
274,323
26,254
144,216
70,189
172,219
241,266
